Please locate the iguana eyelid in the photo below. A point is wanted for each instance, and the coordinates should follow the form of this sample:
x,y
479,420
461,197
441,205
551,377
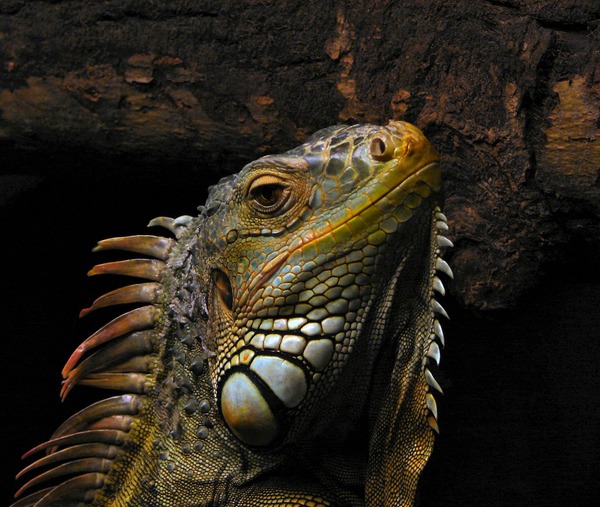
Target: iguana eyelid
x,y
271,184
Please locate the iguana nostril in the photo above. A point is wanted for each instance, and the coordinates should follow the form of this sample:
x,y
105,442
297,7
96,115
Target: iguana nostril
x,y
382,148
377,147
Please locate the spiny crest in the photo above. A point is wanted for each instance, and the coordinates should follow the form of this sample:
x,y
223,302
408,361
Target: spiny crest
x,y
123,355
436,339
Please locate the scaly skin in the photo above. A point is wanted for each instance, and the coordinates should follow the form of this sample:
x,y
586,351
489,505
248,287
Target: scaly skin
x,y
281,359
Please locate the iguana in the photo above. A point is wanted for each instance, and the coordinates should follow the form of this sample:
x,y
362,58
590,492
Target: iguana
x,y
280,355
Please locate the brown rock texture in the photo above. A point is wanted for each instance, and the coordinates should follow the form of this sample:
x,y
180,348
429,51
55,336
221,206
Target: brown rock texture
x,y
508,91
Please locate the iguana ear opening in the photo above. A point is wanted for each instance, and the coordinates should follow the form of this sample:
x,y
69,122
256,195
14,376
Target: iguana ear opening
x,y
223,289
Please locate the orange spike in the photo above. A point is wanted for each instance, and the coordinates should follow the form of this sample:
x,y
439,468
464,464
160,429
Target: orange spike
x,y
31,499
128,382
78,466
155,246
113,422
114,437
140,318
125,404
138,293
150,269
73,489
138,364
70,453
112,356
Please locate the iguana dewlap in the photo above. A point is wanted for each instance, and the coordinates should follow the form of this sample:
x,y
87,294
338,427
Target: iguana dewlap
x,y
279,354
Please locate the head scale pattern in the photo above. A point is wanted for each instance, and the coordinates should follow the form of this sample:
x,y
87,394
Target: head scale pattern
x,y
298,248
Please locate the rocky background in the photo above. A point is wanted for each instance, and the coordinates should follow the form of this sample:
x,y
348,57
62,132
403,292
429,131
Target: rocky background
x,y
117,111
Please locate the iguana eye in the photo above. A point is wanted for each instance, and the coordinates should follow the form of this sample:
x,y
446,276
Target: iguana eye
x,y
268,194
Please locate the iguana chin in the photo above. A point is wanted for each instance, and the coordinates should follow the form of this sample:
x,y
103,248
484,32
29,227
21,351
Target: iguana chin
x,y
280,353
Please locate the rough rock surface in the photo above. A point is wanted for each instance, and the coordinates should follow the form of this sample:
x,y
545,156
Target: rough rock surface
x,y
509,92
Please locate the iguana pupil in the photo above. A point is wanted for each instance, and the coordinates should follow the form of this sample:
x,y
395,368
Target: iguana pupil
x,y
280,355
267,195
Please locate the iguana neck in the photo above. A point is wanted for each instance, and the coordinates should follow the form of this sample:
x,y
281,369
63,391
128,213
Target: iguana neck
x,y
281,355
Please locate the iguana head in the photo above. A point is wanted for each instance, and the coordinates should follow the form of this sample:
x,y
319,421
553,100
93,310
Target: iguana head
x,y
295,250
298,302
